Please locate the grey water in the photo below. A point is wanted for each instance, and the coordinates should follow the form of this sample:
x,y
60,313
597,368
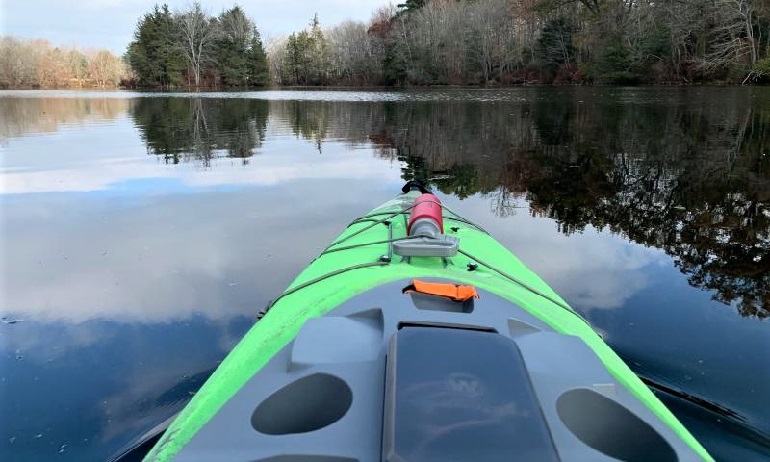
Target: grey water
x,y
143,232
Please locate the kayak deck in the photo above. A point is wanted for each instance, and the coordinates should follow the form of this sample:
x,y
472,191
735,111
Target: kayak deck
x,y
332,330
322,395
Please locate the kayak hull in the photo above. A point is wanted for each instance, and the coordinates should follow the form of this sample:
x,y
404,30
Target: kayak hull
x,y
353,291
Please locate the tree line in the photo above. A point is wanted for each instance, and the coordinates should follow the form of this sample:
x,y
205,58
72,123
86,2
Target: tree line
x,y
439,42
38,64
426,42
191,48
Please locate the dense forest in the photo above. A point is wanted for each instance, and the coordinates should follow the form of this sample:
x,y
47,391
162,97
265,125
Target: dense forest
x,y
425,42
466,42
483,42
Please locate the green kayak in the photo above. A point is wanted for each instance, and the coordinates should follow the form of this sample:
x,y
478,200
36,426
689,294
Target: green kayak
x,y
415,336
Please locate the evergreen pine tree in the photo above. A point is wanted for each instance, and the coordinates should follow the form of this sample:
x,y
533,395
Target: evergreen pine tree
x,y
154,54
256,62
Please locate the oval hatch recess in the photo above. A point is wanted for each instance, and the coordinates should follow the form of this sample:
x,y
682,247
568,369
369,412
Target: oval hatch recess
x,y
305,405
610,428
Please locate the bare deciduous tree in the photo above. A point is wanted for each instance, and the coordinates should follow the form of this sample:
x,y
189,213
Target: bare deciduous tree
x,y
18,63
198,33
105,69
493,35
347,43
728,35
77,64
52,68
354,55
276,57
37,63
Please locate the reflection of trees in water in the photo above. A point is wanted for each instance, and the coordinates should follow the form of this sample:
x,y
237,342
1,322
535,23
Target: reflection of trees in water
x,y
686,173
45,115
320,121
689,177
711,219
201,129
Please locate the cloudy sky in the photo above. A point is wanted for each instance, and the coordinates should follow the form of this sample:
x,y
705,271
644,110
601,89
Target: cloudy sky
x,y
110,23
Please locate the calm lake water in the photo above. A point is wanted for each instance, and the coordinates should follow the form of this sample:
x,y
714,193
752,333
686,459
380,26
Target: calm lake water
x,y
142,233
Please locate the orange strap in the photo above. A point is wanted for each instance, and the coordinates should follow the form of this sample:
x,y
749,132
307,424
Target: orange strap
x,y
453,291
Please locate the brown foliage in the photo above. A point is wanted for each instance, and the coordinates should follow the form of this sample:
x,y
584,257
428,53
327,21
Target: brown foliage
x,y
38,64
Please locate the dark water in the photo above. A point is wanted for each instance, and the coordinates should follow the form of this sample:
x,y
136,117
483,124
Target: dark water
x,y
142,233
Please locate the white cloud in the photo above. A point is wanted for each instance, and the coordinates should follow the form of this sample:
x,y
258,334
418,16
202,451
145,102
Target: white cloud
x,y
262,171
589,270
169,257
161,258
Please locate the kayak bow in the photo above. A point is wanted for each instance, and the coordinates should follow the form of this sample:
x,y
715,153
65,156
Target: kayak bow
x,y
415,336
